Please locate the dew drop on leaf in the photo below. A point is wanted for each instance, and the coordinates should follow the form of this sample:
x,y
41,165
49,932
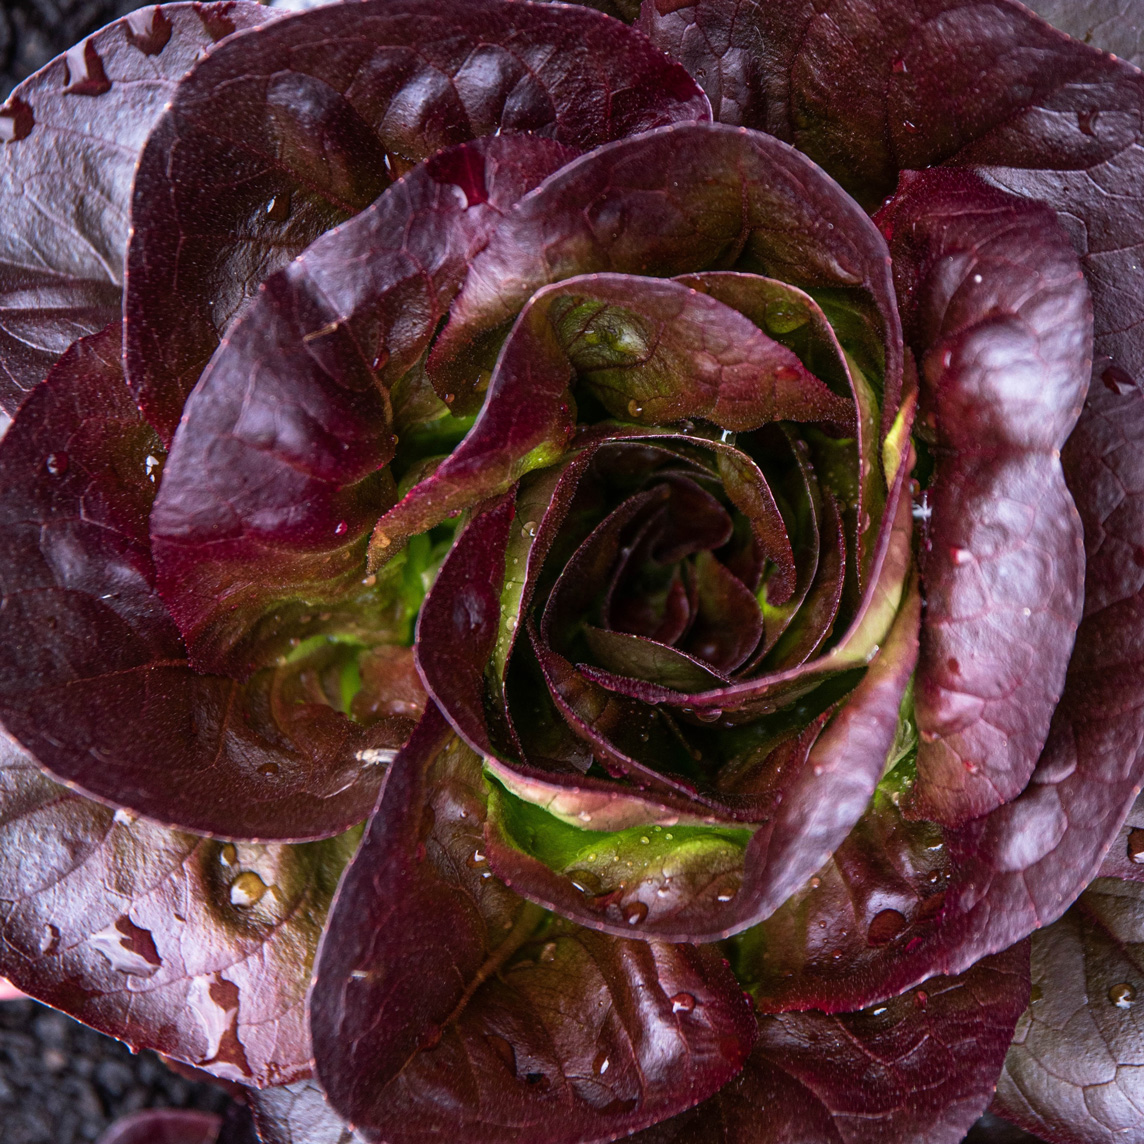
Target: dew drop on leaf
x,y
49,939
149,30
1118,380
85,72
278,209
921,998
247,890
268,769
634,913
682,1003
1122,995
584,881
1086,120
634,408
228,855
57,464
886,926
899,67
1136,846
477,858
528,529
341,528
548,951
601,1064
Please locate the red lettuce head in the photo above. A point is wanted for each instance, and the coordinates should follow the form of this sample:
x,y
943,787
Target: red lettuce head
x,y
648,476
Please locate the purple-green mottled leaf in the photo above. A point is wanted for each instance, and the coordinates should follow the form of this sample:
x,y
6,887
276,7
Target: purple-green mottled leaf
x,y
520,1026
70,136
1073,1073
94,678
195,948
277,137
276,475
652,351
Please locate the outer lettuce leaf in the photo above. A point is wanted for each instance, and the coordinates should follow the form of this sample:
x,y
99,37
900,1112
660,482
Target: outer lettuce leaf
x,y
1073,1073
94,678
194,948
275,139
997,311
1017,868
71,136
920,1067
521,1026
164,1126
276,477
299,1114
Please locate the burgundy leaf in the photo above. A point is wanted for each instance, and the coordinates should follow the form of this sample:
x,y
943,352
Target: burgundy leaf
x,y
164,1126
1071,1073
93,676
274,139
519,1026
652,351
1111,25
1018,867
679,200
920,1067
195,948
998,313
1125,857
71,135
275,475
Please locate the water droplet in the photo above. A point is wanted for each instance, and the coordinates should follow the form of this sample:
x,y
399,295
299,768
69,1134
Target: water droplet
x,y
682,1003
669,837
128,947
1136,846
921,998
450,398
1035,994
960,555
634,408
16,121
341,528
503,1049
585,881
584,816
1123,996
601,1063
151,466
865,522
644,840
85,74
149,30
1086,121
376,756
786,373
899,67
528,529
57,464
370,580
215,20
709,715
784,317
1026,611
1118,380
953,666
885,927
815,882
227,854
49,939
477,858
278,209
911,128
381,540
634,913
268,769
548,951
123,817
247,890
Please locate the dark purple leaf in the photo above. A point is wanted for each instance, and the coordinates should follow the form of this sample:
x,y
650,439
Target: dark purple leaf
x,y
69,139
270,143
276,475
195,948
164,1126
94,679
652,351
1071,1075
920,1067
998,313
679,200
1019,867
445,1003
